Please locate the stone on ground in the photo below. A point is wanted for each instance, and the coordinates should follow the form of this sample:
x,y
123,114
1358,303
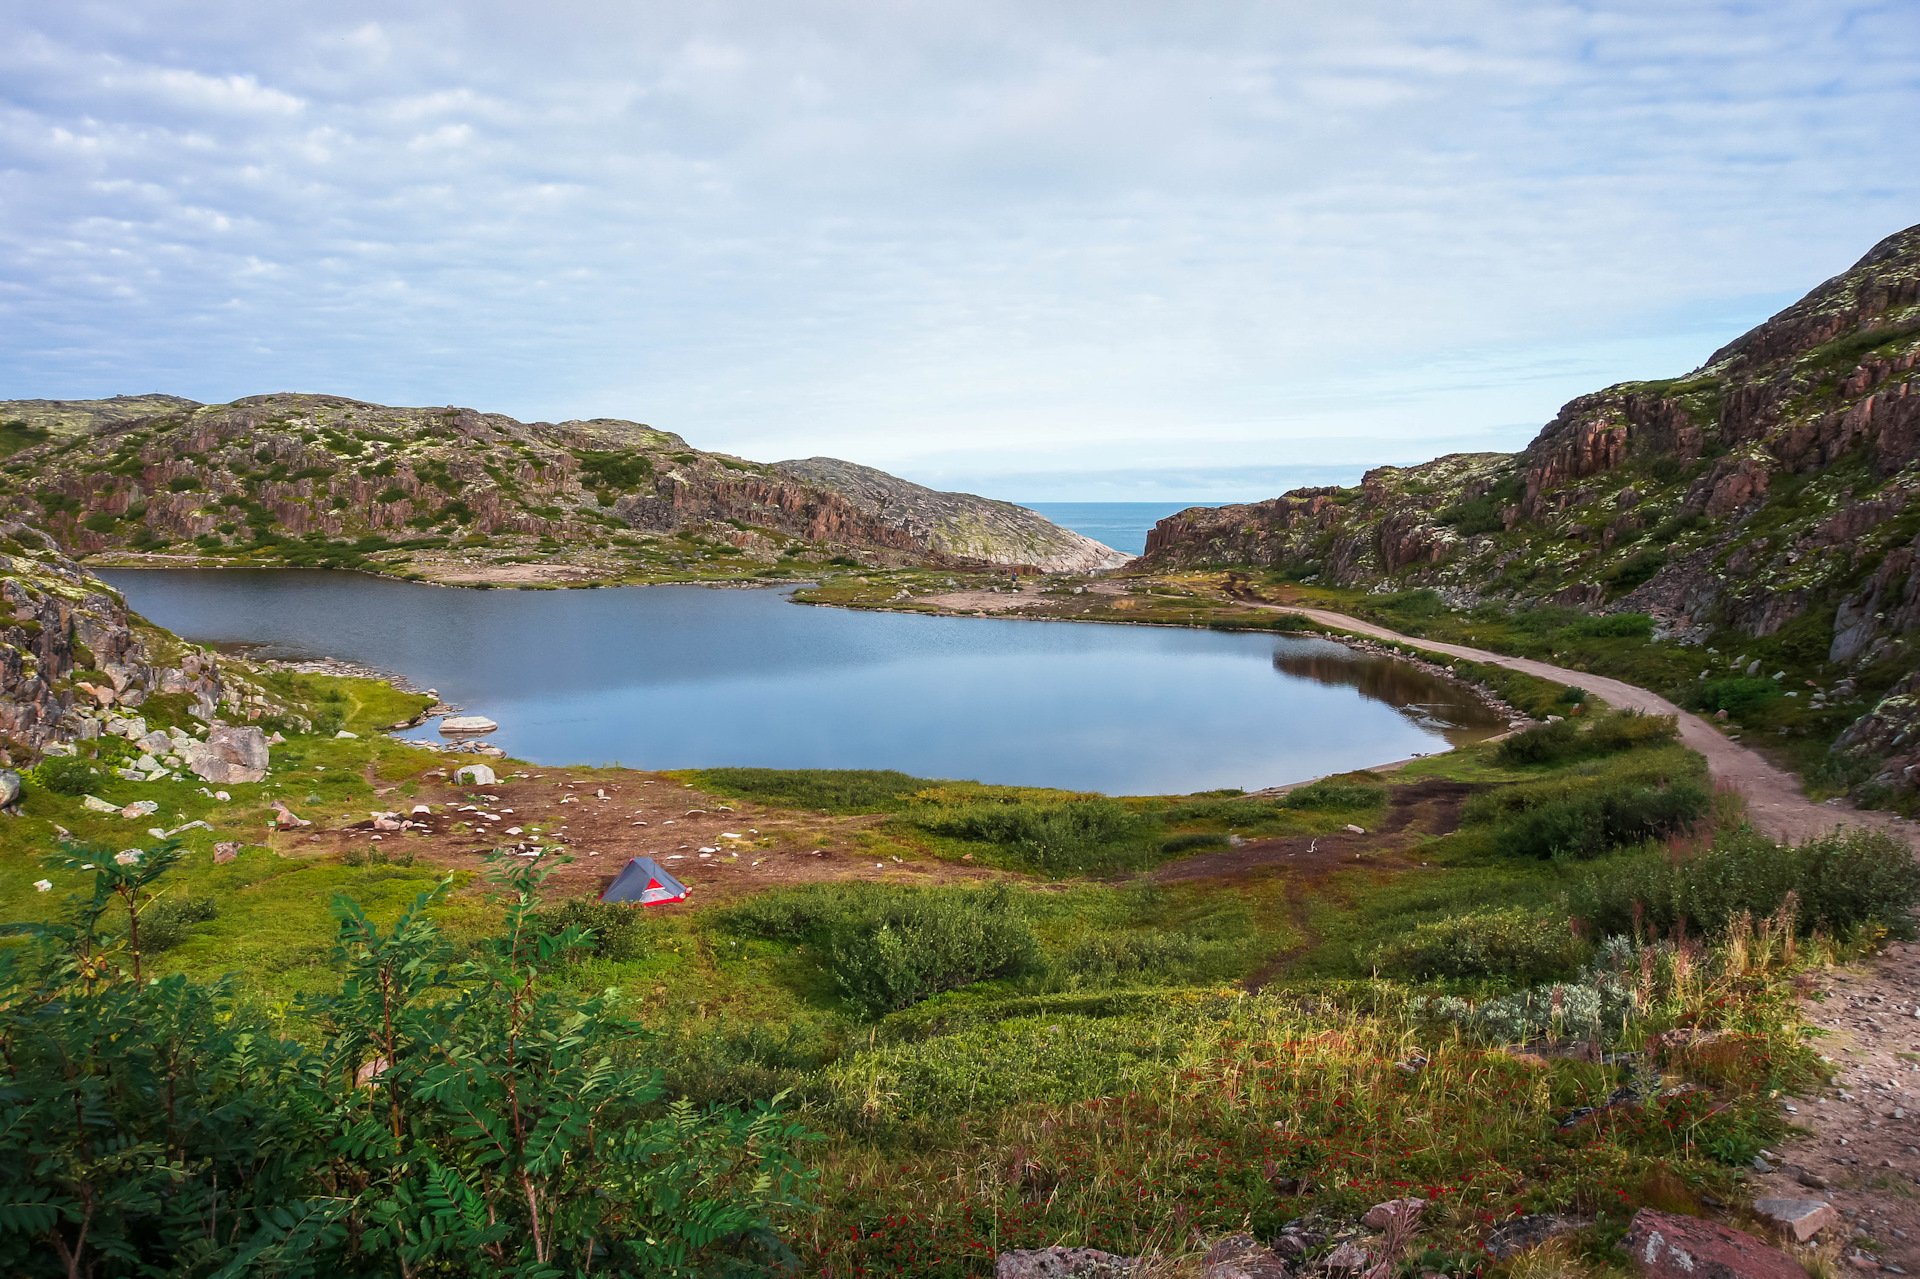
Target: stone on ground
x,y
1801,1218
1063,1263
473,775
455,725
1665,1245
1243,1257
10,788
231,753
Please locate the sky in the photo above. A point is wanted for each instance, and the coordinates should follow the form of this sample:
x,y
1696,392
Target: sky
x,y
1041,249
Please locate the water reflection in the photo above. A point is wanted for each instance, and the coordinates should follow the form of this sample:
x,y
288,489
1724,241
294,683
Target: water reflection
x,y
1443,706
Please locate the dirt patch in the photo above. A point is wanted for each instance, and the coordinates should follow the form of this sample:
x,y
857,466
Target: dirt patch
x,y
1415,812
987,601
720,848
1863,1151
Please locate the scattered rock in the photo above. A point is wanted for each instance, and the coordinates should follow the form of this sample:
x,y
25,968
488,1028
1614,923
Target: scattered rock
x,y
459,725
1347,1259
286,819
231,753
474,775
11,788
225,851
1665,1245
1351,829
1382,1215
94,804
1523,1234
1243,1257
1800,1218
1063,1263
139,808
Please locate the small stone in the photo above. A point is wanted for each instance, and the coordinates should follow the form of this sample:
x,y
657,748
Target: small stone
x,y
1347,1259
225,851
1760,1165
1063,1263
1800,1218
1810,1179
1382,1215
474,775
1667,1245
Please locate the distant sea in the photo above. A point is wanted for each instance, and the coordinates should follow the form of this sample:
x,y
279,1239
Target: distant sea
x,y
1121,525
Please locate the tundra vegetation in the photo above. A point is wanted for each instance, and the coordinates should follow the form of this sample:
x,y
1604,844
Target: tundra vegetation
x,y
1119,1027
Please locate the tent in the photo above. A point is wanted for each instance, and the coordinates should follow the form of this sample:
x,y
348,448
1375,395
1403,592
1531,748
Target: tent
x,y
645,881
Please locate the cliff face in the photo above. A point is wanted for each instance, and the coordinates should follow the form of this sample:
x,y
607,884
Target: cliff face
x,y
259,473
72,658
955,524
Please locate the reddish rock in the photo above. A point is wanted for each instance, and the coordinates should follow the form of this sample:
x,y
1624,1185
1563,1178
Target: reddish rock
x,y
1665,1245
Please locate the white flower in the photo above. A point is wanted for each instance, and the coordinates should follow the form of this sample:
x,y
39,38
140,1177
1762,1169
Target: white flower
x,y
131,857
42,885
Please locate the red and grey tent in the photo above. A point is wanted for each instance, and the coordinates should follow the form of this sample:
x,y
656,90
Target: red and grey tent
x,y
645,881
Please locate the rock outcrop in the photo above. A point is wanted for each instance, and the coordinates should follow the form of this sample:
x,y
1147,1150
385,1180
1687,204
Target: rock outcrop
x,y
73,660
320,479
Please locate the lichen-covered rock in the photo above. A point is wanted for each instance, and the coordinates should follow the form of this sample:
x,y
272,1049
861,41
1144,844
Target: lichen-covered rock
x,y
1063,1263
74,662
230,754
1665,1245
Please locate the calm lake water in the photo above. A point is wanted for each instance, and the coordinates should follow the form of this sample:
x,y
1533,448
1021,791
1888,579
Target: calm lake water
x,y
679,677
1121,525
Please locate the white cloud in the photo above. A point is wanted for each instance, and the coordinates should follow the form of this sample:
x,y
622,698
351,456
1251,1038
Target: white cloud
x,y
1038,237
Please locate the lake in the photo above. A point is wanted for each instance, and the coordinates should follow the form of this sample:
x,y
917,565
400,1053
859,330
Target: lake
x,y
685,676
1122,525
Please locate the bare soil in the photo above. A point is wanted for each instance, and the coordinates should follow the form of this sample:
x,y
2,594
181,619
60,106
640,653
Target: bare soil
x,y
599,818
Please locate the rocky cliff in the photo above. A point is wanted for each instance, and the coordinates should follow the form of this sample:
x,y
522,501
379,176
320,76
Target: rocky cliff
x,y
73,660
320,479
1774,491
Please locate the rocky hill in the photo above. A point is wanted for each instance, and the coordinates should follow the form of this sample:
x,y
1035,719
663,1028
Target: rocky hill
x,y
955,524
75,664
1772,492
454,494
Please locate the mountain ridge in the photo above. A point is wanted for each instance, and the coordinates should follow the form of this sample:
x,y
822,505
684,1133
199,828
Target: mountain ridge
x,y
455,494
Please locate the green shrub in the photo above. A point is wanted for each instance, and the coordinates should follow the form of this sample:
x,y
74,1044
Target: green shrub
x,y
1335,793
1055,837
1515,944
1615,626
1562,741
1736,696
1840,883
615,931
1194,841
826,790
931,943
66,775
1587,824
1118,958
165,923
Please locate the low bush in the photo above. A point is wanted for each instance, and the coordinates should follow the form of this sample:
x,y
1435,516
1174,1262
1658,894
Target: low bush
x,y
66,775
1736,696
1515,944
1588,824
1119,958
1335,793
165,923
615,931
1562,741
929,943
1194,841
1840,883
1075,836
826,790
889,948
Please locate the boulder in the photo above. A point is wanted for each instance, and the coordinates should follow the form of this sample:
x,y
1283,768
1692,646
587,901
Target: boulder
x,y
230,754
94,804
1348,1259
1063,1263
1665,1245
473,775
1243,1257
1800,1218
225,851
10,788
286,819
139,808
461,725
